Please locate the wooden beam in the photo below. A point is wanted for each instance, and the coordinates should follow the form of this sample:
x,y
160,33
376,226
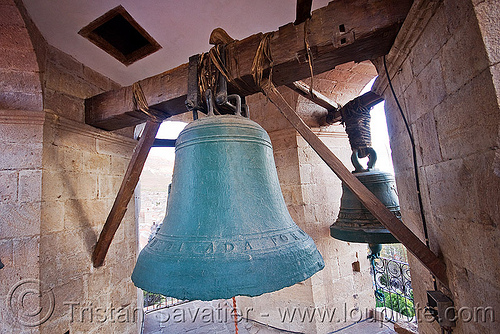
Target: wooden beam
x,y
164,143
435,265
302,11
368,99
303,89
332,107
343,31
125,193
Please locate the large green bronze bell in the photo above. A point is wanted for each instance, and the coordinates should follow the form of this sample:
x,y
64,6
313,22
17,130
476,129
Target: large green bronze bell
x,y
227,230
354,222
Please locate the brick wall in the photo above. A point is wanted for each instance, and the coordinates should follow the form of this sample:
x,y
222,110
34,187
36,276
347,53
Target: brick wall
x,y
443,67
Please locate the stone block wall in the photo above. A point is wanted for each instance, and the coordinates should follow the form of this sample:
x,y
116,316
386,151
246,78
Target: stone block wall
x,y
21,142
20,87
58,180
21,136
82,172
443,67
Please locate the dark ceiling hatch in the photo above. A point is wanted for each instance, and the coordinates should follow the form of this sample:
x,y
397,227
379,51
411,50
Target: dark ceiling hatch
x,y
117,33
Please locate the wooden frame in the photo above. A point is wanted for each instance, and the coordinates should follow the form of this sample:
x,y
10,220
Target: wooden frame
x,y
368,29
89,32
125,193
344,46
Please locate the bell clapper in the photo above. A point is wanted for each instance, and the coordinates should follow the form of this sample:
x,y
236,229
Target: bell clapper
x,y
375,250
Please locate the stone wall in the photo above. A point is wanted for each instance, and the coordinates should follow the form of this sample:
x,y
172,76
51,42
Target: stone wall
x,y
21,135
81,174
20,87
21,142
58,181
444,67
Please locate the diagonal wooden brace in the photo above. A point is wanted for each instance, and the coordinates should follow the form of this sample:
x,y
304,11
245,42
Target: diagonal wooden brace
x,y
304,90
435,265
125,193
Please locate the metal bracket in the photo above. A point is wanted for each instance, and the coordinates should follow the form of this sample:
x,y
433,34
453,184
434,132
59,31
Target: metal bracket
x,y
222,99
194,102
441,308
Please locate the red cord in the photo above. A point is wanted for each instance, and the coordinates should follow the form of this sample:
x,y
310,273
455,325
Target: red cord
x,y
235,315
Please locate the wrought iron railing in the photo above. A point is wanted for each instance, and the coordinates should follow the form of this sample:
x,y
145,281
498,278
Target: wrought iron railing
x,y
393,290
154,301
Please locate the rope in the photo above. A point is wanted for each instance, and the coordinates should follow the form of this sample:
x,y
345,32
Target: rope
x,y
212,65
208,76
356,118
262,56
216,59
141,104
235,315
309,54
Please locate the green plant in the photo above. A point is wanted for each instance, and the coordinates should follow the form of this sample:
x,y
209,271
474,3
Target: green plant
x,y
152,298
395,302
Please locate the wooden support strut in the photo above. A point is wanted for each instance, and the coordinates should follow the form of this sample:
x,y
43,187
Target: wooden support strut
x,y
435,265
368,99
125,193
304,90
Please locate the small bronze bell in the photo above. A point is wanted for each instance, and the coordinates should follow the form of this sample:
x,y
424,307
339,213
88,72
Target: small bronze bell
x,y
354,222
227,230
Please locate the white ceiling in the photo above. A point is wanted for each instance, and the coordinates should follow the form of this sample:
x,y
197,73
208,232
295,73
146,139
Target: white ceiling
x,y
182,27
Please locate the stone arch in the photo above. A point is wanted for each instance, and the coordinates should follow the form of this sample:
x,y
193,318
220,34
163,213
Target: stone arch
x,y
21,87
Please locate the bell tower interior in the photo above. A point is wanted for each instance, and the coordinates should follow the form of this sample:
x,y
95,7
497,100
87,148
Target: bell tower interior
x,y
68,113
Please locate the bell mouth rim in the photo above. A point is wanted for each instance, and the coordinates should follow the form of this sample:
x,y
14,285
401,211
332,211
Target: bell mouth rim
x,y
374,236
273,283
